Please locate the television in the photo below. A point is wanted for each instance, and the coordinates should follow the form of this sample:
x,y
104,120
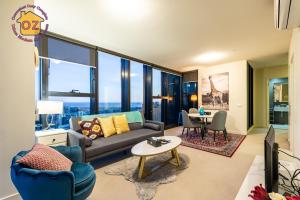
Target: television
x,y
271,161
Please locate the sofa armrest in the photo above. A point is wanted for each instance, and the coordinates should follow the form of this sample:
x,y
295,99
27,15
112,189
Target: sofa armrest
x,y
161,124
74,153
77,139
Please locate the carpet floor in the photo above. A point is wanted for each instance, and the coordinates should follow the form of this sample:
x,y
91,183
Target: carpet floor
x,y
147,187
209,176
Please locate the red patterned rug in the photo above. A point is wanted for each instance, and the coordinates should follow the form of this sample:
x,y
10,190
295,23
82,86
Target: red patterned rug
x,y
220,146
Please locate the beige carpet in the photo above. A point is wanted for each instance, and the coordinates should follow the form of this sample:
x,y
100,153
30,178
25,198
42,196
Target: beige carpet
x,y
209,176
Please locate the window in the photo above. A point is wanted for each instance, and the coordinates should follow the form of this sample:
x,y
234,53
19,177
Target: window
x,y
68,77
136,86
73,106
67,74
37,80
37,85
156,76
69,83
156,90
62,50
109,83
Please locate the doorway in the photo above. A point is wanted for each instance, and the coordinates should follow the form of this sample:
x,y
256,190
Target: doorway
x,y
278,103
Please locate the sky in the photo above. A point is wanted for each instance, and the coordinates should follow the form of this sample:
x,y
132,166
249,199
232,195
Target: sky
x,y
65,76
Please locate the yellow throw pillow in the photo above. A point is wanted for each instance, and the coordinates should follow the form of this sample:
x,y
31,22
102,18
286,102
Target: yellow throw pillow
x,y
107,126
121,124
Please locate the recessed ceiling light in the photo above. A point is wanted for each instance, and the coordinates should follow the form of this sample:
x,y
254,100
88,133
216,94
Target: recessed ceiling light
x,y
210,57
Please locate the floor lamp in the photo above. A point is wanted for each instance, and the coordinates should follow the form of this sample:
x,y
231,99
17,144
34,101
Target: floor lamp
x,y
194,98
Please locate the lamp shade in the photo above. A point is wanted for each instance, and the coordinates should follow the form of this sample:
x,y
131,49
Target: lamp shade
x,y
194,97
49,107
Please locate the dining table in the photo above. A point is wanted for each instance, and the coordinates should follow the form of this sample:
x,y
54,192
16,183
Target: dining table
x,y
203,118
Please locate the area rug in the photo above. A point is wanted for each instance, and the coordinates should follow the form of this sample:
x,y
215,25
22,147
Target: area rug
x,y
147,187
220,146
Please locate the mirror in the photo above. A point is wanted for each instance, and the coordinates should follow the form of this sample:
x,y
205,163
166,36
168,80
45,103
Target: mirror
x,y
281,92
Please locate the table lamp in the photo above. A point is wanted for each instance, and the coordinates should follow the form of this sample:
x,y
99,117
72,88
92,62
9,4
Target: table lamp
x,y
49,108
194,99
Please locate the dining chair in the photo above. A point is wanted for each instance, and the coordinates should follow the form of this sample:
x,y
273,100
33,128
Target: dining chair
x,y
218,123
187,123
179,121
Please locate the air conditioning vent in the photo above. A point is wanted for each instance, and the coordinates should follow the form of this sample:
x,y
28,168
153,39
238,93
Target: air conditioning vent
x,y
287,14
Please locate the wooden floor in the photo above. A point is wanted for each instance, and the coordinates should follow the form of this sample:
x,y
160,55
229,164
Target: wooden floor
x,y
209,176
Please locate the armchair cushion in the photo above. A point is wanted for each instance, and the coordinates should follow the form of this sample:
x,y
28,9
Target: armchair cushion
x,y
84,175
42,157
73,153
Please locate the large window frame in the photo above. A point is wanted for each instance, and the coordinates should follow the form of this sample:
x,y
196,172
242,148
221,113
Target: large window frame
x,y
94,76
45,93
136,74
45,78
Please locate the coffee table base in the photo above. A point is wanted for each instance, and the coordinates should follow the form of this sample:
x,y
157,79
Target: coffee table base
x,y
174,160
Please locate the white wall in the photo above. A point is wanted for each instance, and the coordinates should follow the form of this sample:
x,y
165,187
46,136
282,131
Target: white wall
x,y
17,95
294,93
237,114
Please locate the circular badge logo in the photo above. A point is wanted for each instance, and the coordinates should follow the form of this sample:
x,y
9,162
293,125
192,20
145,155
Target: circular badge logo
x,y
29,23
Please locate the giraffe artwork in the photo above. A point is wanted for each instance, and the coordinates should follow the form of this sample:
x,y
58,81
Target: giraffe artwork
x,y
215,91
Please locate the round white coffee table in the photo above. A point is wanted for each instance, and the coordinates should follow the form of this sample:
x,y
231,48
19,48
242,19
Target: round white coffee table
x,y
144,150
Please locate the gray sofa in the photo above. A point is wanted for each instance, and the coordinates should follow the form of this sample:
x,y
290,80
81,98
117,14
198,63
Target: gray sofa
x,y
101,147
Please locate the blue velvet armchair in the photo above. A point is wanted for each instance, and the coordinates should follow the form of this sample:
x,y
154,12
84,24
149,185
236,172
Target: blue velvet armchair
x,y
76,184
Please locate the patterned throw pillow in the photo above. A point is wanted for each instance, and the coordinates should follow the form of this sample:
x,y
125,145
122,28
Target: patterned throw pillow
x,y
42,157
91,129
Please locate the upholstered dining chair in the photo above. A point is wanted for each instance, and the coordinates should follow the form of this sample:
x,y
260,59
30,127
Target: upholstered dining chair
x,y
218,123
33,184
187,123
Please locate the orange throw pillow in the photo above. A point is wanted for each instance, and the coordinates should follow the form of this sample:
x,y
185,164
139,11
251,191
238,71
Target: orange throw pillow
x,y
42,157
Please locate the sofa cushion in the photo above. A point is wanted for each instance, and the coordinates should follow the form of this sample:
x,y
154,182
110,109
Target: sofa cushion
x,y
121,124
135,125
91,128
84,175
102,145
107,126
42,157
132,116
152,126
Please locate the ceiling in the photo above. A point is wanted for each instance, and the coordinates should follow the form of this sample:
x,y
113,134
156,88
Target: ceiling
x,y
174,33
